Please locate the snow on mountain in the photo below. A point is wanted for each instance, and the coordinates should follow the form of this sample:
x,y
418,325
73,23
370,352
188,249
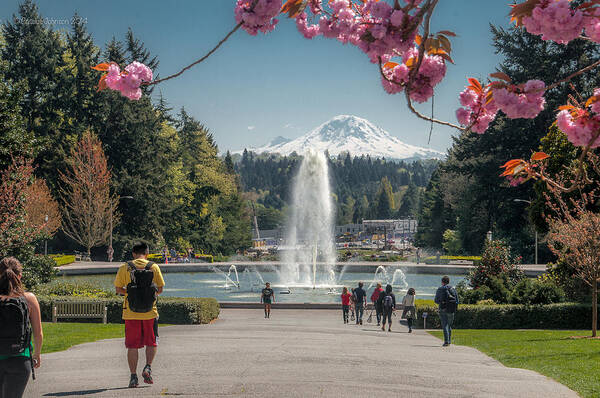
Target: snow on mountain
x,y
348,133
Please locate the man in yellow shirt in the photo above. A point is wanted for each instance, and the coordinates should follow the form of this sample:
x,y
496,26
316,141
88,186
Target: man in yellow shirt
x,y
141,328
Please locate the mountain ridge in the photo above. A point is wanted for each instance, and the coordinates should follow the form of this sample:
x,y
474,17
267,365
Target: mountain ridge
x,y
352,134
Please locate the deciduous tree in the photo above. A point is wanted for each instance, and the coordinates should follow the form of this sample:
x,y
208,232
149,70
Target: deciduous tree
x,y
88,204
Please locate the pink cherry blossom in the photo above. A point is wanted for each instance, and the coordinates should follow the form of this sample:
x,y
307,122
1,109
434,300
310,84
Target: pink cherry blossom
x,y
526,104
261,18
128,82
431,72
555,20
476,113
308,31
579,130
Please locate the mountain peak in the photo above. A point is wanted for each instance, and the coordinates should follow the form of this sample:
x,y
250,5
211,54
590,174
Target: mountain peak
x,y
353,134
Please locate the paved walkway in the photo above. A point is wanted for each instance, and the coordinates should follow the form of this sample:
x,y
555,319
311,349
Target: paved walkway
x,y
296,353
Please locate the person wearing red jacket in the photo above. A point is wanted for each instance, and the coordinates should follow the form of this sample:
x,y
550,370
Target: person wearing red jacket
x,y
375,300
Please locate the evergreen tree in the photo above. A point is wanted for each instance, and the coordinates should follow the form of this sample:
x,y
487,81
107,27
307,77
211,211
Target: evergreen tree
x,y
384,202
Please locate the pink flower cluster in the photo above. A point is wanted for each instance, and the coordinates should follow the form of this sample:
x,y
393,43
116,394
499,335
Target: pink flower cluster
x,y
578,130
592,26
376,27
431,72
261,18
526,105
555,20
476,113
128,82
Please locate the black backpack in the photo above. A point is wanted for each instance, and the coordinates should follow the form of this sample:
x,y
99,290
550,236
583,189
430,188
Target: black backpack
x,y
141,291
15,333
450,304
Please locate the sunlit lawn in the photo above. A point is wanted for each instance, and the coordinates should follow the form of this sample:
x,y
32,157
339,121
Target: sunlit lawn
x,y
572,362
60,336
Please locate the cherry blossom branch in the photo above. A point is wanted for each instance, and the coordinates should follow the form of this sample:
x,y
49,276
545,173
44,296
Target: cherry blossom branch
x,y
208,54
573,75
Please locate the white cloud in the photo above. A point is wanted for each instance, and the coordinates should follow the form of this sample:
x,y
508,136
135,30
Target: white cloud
x,y
287,126
251,128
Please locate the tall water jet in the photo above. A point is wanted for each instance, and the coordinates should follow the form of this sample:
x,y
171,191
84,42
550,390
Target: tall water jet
x,y
310,227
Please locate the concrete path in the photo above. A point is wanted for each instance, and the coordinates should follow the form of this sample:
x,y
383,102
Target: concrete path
x,y
296,353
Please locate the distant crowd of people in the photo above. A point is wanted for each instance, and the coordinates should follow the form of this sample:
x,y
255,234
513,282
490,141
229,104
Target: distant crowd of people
x,y
354,303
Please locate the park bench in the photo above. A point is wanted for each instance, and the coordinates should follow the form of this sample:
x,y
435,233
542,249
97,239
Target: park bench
x,y
79,309
80,256
460,262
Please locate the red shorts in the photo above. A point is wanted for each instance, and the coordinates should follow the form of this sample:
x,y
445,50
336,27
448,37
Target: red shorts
x,y
140,333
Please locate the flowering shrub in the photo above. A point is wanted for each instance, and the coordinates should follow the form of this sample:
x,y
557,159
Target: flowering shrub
x,y
496,261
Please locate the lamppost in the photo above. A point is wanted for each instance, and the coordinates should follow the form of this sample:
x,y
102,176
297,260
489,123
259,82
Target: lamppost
x,y
536,233
110,250
46,240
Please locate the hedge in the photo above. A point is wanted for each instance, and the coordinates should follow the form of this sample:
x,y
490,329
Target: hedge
x,y
447,259
513,316
63,259
172,310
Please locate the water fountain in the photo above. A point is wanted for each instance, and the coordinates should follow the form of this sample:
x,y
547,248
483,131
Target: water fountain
x,y
227,277
310,229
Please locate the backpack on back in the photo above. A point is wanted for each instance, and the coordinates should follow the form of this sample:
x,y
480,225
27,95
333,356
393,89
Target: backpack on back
x,y
450,304
388,302
15,333
141,291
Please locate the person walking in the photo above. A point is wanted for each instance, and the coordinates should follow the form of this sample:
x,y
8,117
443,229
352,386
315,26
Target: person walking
x,y
140,281
375,300
266,297
360,302
447,300
388,303
409,310
345,303
20,313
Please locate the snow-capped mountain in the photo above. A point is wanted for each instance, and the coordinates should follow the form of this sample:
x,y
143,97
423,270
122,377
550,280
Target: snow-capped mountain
x,y
348,133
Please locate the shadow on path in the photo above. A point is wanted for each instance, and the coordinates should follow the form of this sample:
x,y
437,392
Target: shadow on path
x,y
85,392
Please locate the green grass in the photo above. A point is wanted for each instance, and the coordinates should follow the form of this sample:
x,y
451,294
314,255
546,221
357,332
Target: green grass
x,y
572,362
60,336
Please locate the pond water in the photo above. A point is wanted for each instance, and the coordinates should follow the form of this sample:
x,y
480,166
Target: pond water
x,y
246,287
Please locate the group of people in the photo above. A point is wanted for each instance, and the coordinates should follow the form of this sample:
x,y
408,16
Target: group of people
x,y
384,304
141,281
21,335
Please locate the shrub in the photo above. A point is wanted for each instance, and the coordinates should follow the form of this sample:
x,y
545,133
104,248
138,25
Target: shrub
x,y
73,289
496,261
533,291
173,310
452,242
486,302
63,259
511,316
37,269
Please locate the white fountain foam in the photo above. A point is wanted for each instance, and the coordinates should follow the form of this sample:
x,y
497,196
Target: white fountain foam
x,y
310,228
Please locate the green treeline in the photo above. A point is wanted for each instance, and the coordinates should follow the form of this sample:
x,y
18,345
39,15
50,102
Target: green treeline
x,y
466,193
362,187
184,195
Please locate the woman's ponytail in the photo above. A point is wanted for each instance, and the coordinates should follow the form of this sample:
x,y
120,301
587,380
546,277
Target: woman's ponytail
x,y
10,277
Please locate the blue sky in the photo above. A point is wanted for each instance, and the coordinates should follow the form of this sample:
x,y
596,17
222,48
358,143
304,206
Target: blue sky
x,y
256,88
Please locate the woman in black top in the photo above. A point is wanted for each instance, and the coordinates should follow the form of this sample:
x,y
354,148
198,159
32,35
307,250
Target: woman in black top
x,y
387,301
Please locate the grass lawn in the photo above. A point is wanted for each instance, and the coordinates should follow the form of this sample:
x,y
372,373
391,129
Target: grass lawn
x,y
572,362
60,336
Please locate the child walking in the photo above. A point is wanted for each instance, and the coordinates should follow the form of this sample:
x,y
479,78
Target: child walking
x,y
410,311
345,303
